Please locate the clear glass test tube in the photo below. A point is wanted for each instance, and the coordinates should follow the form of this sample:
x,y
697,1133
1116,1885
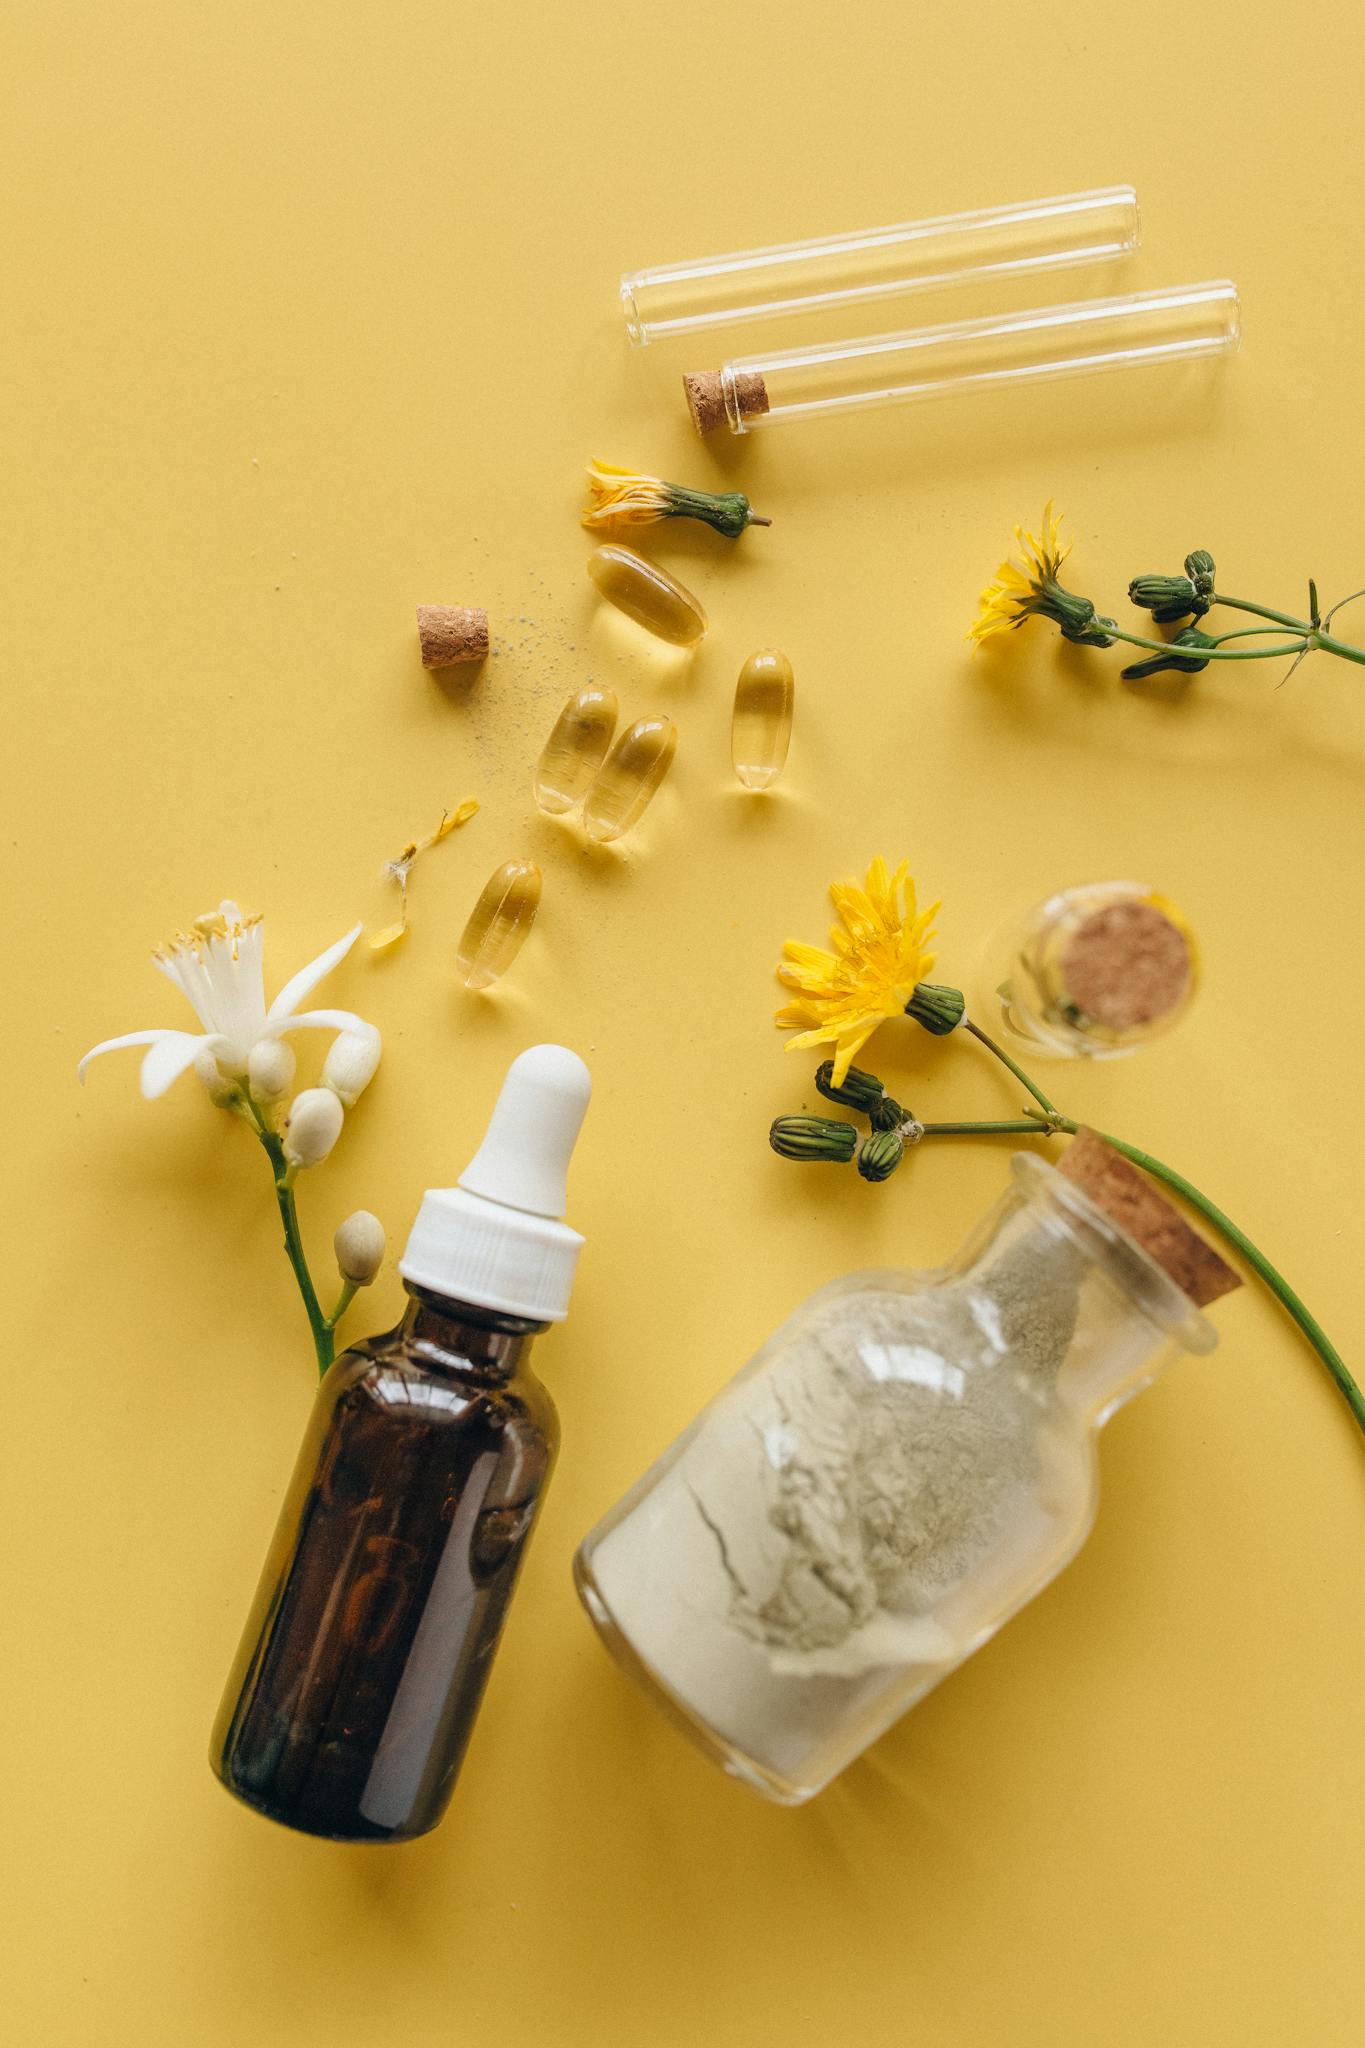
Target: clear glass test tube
x,y
879,263
1172,325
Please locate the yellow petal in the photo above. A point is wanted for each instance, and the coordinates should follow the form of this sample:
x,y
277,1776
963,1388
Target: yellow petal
x,y
847,1051
821,1035
808,966
460,816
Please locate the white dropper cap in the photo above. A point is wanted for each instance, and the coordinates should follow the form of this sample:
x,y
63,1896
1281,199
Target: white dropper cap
x,y
497,1239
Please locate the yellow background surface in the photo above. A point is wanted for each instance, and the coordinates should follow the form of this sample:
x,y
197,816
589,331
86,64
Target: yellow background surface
x,y
310,316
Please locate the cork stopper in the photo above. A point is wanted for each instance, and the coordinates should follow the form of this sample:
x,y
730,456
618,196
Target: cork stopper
x,y
1127,965
1132,1201
706,397
451,633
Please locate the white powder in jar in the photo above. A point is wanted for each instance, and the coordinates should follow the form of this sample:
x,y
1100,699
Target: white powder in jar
x,y
812,1532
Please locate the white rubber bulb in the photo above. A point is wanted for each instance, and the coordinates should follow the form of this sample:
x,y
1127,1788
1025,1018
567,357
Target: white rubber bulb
x,y
523,1161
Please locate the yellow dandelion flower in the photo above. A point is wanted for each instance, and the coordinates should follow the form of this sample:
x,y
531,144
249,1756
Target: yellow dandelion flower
x,y
1029,589
619,496
622,497
1020,588
879,954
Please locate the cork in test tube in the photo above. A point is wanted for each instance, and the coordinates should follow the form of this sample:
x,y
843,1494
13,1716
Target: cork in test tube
x,y
1169,326
879,263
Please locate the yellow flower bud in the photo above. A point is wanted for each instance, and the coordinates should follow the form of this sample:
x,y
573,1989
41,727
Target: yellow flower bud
x,y
359,1245
315,1121
270,1068
350,1064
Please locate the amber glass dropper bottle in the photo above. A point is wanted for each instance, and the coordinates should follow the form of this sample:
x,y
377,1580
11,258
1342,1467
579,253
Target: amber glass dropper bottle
x,y
381,1604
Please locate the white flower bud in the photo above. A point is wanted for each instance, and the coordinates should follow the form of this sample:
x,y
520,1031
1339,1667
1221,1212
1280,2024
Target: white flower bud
x,y
270,1068
350,1064
221,1088
359,1245
315,1120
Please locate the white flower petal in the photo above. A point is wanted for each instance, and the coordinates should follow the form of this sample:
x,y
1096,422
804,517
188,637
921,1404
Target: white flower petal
x,y
220,974
116,1045
169,1059
323,1020
308,977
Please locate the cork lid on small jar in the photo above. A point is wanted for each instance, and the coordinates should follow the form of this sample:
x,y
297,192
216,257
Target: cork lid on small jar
x,y
1127,966
1136,1204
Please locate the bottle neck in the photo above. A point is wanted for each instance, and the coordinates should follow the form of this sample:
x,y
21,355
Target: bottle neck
x,y
461,1337
1079,1309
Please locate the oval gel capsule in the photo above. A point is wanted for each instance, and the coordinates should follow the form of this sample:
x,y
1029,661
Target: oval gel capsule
x,y
576,749
629,776
498,923
761,730
647,594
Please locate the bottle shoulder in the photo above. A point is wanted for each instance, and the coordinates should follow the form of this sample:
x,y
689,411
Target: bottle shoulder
x,y
383,1375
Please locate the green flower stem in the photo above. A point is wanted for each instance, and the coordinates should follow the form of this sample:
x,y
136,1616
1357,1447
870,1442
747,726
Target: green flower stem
x,y
1249,633
1053,1121
1004,1126
1262,611
321,1325
1310,640
294,1252
1340,605
344,1300
1017,1071
1260,1264
1329,645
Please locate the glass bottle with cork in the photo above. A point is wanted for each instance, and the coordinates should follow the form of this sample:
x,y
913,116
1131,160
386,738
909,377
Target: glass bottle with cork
x,y
905,1463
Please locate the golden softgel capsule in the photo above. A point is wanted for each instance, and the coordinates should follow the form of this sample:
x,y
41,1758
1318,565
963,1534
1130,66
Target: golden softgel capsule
x,y
647,594
761,730
498,923
576,749
629,776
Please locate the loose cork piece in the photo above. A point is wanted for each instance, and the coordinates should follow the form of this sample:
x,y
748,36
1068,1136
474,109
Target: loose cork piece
x,y
1130,1199
706,398
450,633
1127,965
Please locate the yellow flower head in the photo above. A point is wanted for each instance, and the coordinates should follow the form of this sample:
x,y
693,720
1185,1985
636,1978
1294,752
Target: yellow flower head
x,y
1022,588
878,957
617,496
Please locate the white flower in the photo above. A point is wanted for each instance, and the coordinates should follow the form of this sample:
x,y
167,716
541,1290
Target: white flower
x,y
359,1246
350,1064
315,1120
217,965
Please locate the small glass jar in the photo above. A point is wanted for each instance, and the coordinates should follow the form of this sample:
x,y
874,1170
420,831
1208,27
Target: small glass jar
x,y
1091,973
906,1462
